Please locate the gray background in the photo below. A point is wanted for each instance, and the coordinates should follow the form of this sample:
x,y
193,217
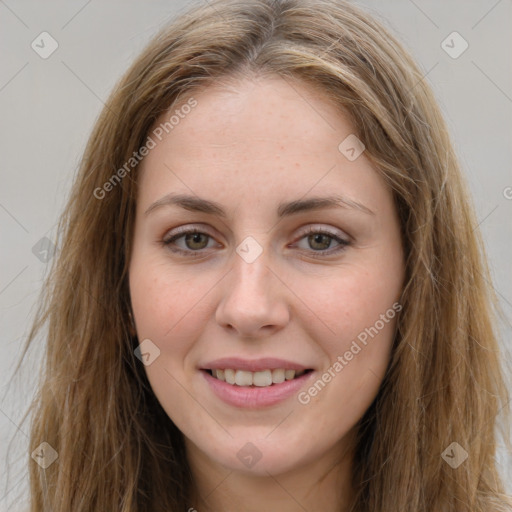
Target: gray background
x,y
48,107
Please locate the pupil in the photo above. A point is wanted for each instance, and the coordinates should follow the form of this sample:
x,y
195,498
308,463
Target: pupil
x,y
317,239
195,238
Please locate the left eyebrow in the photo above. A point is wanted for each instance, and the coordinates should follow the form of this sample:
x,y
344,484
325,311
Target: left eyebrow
x,y
197,204
320,203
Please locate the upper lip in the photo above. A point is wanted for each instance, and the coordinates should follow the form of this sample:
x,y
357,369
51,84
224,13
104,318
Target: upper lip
x,y
254,365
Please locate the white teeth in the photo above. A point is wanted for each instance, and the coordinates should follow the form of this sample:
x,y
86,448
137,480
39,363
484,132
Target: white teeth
x,y
243,378
278,376
289,374
229,375
260,379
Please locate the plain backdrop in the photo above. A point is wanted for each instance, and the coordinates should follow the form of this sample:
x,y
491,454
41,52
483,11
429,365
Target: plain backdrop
x,y
48,107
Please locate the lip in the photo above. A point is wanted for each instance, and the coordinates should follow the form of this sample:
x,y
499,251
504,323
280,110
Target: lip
x,y
255,397
256,365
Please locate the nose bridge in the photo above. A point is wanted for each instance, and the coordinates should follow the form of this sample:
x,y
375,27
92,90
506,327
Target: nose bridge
x,y
251,297
251,278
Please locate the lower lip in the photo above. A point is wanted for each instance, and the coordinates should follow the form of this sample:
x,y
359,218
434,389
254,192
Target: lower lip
x,y
255,397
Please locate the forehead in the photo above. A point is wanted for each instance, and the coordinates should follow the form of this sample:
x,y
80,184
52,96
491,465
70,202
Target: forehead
x,y
269,136
250,111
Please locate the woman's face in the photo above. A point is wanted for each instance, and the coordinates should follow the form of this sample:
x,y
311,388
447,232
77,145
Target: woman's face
x,y
296,264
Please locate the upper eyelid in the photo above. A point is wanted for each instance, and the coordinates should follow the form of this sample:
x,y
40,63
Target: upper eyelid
x,y
184,230
314,229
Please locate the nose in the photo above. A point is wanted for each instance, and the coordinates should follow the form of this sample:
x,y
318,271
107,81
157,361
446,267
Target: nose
x,y
253,303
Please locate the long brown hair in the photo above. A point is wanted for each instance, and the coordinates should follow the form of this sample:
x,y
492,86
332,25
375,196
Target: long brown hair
x,y
117,449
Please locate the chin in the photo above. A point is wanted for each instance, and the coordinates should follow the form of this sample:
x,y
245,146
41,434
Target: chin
x,y
258,458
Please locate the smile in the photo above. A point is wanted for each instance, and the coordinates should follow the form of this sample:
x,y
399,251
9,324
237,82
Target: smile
x,y
262,378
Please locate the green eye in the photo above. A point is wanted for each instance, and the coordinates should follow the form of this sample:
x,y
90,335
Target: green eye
x,y
196,241
193,240
321,241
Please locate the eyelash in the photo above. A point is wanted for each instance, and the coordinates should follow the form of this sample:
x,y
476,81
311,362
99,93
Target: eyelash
x,y
343,244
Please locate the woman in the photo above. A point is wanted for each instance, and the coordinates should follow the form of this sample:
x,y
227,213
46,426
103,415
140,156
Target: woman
x,y
270,292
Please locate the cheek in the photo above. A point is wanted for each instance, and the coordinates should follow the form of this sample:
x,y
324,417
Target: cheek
x,y
360,311
351,302
168,308
359,308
